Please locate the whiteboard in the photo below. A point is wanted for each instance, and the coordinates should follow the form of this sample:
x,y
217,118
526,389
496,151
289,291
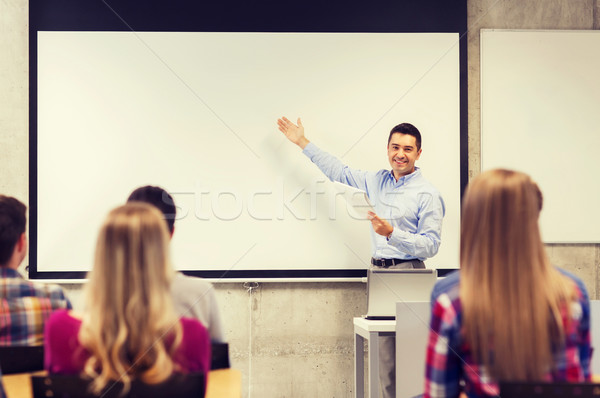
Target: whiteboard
x,y
196,114
540,101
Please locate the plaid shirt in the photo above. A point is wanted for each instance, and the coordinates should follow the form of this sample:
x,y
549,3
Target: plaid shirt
x,y
25,307
450,362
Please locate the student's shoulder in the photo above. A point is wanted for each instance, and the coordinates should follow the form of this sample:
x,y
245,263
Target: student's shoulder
x,y
193,327
63,319
52,288
577,281
24,287
49,290
182,283
448,285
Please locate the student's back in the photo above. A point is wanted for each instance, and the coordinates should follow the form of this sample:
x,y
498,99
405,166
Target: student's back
x,y
130,329
507,314
24,306
193,297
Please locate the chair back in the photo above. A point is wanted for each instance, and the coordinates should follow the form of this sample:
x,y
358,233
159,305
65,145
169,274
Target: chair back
x,y
191,385
219,356
548,390
21,359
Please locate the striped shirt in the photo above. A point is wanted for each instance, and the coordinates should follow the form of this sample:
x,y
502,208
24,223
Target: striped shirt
x,y
449,361
24,308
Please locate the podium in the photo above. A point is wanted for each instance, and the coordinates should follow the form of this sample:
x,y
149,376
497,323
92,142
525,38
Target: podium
x,y
412,333
411,329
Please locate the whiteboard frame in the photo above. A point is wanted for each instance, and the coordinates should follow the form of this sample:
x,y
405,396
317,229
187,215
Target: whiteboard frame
x,y
44,17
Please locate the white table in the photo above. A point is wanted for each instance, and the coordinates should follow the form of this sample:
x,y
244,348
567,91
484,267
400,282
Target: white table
x,y
369,330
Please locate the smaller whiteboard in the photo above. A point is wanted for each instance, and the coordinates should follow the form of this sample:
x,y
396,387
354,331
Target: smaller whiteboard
x,y
540,114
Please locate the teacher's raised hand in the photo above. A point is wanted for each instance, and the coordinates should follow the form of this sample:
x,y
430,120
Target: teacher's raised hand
x,y
294,133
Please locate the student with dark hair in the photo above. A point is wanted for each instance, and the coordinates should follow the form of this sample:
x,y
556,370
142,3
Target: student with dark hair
x,y
507,315
25,306
193,297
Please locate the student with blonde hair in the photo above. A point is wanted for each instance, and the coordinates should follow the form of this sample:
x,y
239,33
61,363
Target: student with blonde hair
x,y
507,314
130,329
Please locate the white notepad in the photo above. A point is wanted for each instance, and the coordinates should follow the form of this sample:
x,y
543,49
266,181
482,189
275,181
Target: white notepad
x,y
357,200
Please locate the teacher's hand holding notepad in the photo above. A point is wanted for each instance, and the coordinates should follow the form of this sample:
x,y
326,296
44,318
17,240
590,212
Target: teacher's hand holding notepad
x,y
357,201
360,207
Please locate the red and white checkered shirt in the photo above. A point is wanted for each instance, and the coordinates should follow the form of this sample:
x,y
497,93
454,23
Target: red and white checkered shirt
x,y
24,308
450,363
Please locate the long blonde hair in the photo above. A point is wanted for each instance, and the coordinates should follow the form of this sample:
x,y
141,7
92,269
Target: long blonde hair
x,y
130,327
511,296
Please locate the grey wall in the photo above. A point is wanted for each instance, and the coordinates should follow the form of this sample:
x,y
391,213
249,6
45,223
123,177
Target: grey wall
x,y
295,339
583,260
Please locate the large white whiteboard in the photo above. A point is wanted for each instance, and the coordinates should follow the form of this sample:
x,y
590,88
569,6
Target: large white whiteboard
x,y
196,113
540,113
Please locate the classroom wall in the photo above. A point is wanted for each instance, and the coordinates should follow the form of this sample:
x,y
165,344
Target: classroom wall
x,y
581,259
295,339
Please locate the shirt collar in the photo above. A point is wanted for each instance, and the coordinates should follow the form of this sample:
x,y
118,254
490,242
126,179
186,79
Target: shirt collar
x,y
9,273
406,178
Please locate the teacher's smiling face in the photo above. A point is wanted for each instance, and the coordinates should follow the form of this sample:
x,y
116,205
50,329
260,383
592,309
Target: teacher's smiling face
x,y
402,154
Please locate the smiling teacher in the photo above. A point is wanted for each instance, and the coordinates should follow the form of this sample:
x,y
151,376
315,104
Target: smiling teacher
x,y
407,223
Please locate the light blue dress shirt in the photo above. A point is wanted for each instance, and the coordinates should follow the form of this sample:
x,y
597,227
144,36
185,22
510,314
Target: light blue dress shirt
x,y
412,205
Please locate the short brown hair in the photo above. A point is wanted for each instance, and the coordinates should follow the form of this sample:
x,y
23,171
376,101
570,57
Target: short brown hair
x,y
409,129
159,198
12,226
